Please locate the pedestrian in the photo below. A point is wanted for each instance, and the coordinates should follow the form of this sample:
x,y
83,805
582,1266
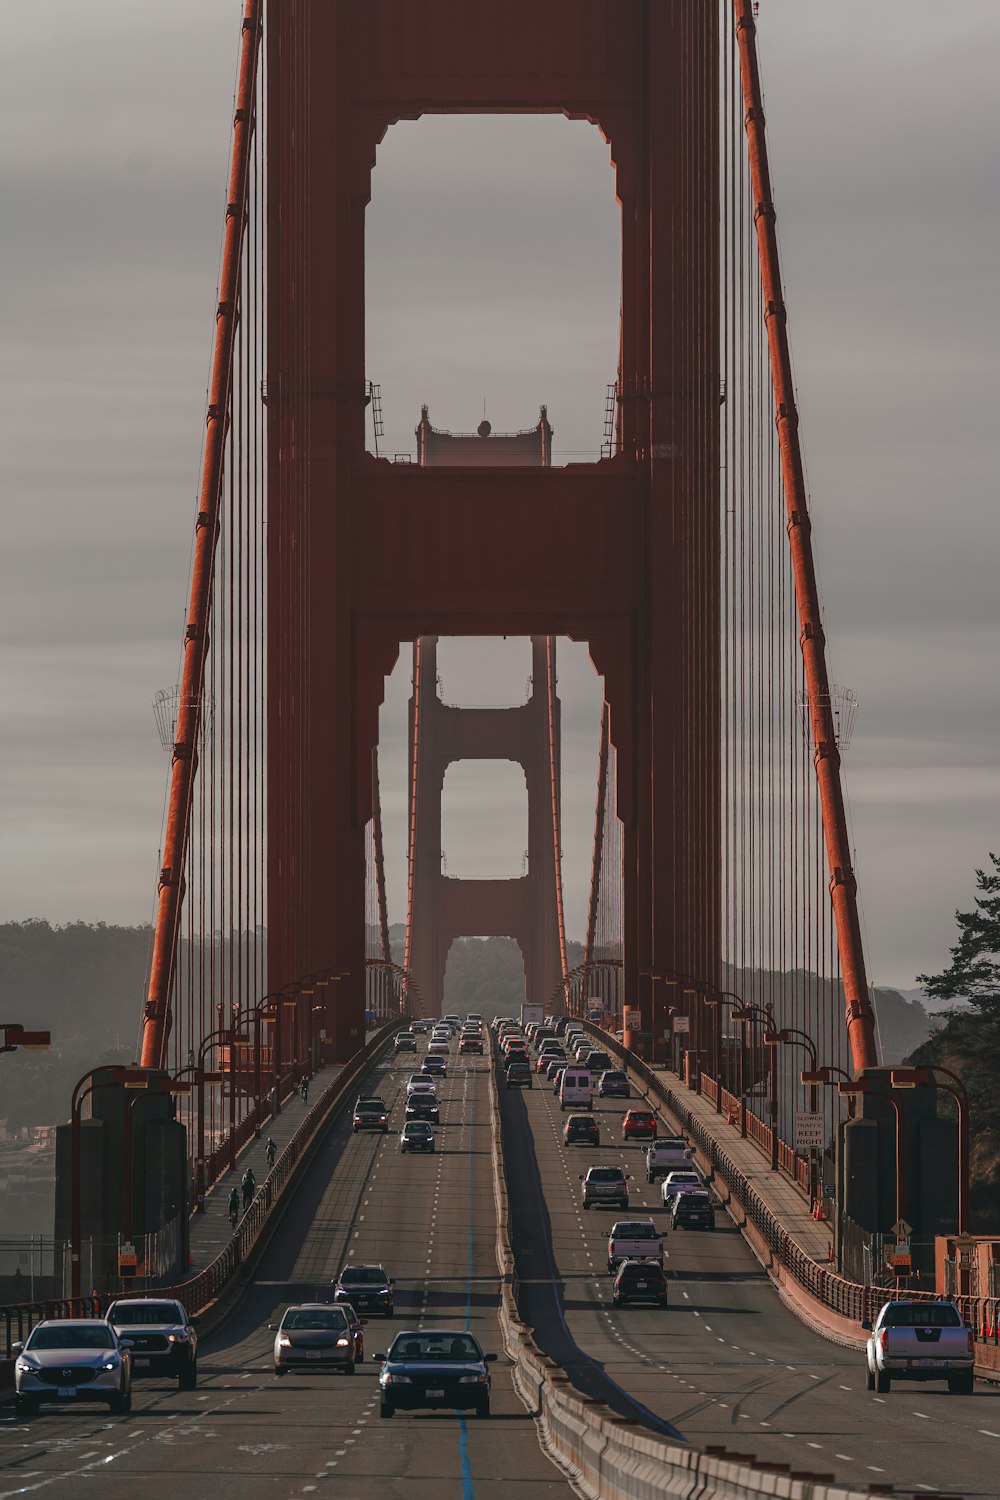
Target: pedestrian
x,y
304,1090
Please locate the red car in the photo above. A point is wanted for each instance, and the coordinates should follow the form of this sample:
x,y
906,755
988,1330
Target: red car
x,y
639,1125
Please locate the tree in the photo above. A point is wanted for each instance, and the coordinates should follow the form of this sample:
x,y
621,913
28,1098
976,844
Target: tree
x,y
974,971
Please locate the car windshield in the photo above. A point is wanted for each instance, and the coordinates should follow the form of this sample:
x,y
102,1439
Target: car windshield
x,y
581,1120
90,1336
640,1114
444,1346
606,1174
921,1315
641,1273
417,1127
364,1276
636,1231
679,1179
613,1078
315,1317
694,1200
126,1314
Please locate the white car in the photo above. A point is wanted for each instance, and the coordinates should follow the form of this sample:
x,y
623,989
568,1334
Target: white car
x,y
920,1341
679,1182
69,1361
420,1086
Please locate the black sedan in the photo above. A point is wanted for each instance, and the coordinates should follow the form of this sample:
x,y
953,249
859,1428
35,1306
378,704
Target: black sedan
x,y
367,1288
443,1369
416,1135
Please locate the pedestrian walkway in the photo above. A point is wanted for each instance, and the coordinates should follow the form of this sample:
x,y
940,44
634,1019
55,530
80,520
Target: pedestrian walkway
x,y
211,1231
782,1197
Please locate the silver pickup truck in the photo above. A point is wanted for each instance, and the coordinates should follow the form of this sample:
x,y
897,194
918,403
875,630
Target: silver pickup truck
x,y
920,1341
634,1239
670,1153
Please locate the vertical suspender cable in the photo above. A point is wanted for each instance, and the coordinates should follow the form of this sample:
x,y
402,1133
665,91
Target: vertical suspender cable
x,y
843,886
189,708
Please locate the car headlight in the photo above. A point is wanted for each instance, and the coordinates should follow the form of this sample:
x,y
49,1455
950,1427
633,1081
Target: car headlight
x,y
112,1363
471,1379
25,1366
177,1338
284,1342
342,1343
395,1380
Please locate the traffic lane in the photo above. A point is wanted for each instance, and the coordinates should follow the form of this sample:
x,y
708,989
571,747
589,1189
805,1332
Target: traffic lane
x,y
455,1256
736,1365
245,1433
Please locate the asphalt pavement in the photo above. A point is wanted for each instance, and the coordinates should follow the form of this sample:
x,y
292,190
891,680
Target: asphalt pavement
x,y
727,1363
244,1435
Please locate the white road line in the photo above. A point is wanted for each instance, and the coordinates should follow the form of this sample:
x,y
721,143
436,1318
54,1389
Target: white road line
x,y
984,1430
922,1414
846,1457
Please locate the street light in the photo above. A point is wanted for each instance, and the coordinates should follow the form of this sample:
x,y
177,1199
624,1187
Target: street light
x,y
771,1038
716,1001
14,1036
911,1078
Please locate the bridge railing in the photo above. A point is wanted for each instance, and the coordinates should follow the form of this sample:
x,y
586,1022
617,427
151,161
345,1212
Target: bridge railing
x,y
201,1292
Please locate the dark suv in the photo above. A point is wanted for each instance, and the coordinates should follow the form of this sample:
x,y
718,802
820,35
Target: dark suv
x,y
639,1281
423,1105
162,1338
518,1074
692,1211
371,1114
581,1128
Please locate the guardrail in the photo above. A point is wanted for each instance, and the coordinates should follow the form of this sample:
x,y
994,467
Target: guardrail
x,y
849,1299
201,1291
607,1457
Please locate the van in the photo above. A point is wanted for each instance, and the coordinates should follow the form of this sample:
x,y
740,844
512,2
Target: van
x,y
575,1087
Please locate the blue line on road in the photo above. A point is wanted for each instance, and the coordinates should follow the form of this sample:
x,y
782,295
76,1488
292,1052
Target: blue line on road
x,y
468,1489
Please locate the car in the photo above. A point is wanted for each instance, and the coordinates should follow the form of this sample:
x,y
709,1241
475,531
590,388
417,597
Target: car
x,y
371,1113
475,1016
546,1059
613,1086
437,1048
605,1184
162,1337
357,1326
416,1135
639,1281
422,1105
436,1065
597,1061
555,1066
634,1239
679,1182
368,1288
692,1210
920,1341
581,1128
420,1028
69,1361
557,1079
405,1042
421,1083
575,1087
670,1153
452,1020
518,1074
639,1124
470,1044
314,1336
440,1370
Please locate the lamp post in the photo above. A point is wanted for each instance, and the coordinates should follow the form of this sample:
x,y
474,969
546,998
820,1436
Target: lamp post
x,y
14,1036
717,1000
745,1014
911,1078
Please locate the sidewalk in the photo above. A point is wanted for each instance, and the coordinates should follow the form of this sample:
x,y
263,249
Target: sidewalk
x,y
783,1198
211,1231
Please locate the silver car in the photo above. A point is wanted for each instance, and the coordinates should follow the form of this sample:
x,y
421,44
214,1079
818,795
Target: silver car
x,y
313,1335
69,1360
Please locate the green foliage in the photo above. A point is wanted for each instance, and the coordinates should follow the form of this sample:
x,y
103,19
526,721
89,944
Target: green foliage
x,y
974,971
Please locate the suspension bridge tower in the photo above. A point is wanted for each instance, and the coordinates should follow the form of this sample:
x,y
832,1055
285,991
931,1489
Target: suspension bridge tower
x,y
441,907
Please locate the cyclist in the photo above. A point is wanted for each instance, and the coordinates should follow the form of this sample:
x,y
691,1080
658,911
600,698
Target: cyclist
x,y
304,1090
272,1152
234,1207
249,1187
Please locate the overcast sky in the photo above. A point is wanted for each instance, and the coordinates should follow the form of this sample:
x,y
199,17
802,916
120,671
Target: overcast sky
x,y
493,266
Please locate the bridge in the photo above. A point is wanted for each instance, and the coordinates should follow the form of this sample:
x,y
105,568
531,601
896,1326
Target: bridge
x,y
723,965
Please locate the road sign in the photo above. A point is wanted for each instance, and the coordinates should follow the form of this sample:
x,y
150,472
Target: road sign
x,y
128,1261
632,1020
902,1230
809,1130
682,1025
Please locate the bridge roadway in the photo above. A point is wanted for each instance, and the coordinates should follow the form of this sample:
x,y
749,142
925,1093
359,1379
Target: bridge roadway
x,y
243,1435
727,1363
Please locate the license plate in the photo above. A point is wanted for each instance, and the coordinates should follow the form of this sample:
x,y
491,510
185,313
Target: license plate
x,y
437,1391
640,1286
67,1390
314,1354
141,1364
928,1364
